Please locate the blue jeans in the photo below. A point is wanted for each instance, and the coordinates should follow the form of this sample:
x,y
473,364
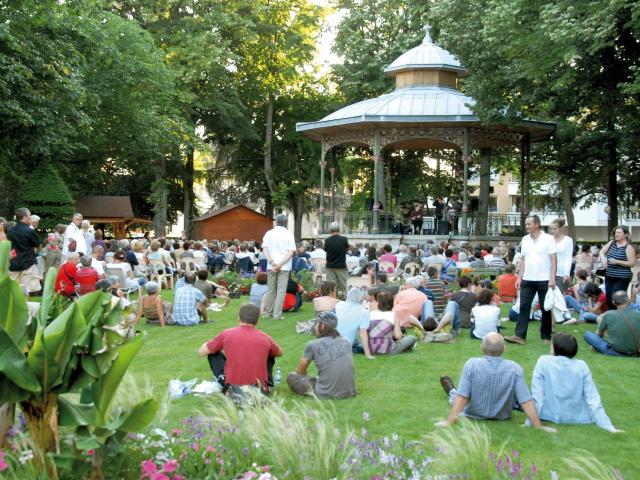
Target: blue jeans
x,y
584,315
427,310
453,309
600,344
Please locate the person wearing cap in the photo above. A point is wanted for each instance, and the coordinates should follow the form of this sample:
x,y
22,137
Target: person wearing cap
x,y
334,361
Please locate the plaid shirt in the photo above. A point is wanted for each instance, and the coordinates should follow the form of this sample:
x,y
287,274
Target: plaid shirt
x,y
380,336
185,303
492,385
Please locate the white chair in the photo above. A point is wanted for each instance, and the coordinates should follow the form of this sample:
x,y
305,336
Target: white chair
x,y
319,269
388,269
200,263
188,264
122,281
357,282
159,273
410,269
351,264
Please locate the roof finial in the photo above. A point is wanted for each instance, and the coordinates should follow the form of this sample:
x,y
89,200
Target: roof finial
x,y
427,35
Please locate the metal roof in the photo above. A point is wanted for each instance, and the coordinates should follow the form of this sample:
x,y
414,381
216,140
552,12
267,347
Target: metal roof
x,y
420,104
425,56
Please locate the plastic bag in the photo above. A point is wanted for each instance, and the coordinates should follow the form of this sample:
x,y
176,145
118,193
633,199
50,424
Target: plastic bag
x,y
207,387
178,388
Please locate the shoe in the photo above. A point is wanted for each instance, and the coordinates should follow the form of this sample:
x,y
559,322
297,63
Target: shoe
x,y
515,339
447,384
546,341
266,315
277,318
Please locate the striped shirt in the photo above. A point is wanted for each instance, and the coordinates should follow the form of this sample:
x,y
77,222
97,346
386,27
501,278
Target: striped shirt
x,y
619,253
439,300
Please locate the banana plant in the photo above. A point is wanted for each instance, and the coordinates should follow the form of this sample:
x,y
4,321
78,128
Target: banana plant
x,y
65,350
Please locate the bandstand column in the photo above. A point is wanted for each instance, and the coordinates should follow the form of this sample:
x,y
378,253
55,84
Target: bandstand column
x,y
524,179
466,158
378,174
323,164
332,170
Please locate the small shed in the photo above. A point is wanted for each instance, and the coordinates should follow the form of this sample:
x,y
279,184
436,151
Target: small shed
x,y
232,221
113,210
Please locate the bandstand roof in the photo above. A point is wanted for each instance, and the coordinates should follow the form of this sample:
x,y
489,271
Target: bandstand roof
x,y
425,99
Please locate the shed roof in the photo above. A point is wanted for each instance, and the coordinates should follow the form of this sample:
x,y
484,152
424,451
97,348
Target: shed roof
x,y
105,206
228,208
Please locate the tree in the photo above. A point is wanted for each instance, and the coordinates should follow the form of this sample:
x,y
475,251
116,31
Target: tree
x,y
46,194
555,59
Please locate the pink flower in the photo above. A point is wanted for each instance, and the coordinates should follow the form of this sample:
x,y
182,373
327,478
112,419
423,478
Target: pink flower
x,y
176,431
91,452
177,477
249,475
149,469
169,466
3,464
159,476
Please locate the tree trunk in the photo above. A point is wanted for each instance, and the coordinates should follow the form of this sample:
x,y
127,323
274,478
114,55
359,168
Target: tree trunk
x,y
612,181
268,135
565,194
296,205
161,197
482,216
188,197
268,206
42,423
7,414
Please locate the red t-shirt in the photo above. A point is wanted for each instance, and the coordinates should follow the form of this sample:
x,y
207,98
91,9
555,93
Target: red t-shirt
x,y
87,278
602,300
247,350
507,287
66,279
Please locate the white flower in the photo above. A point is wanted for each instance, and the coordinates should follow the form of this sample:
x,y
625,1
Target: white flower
x,y
394,436
26,456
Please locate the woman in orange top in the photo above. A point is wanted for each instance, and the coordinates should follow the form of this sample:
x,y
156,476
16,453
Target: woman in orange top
x,y
507,284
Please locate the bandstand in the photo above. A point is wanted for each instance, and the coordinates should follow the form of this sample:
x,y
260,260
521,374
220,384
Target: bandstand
x,y
424,111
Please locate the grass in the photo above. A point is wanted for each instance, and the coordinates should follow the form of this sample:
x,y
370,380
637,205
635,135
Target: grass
x,y
402,393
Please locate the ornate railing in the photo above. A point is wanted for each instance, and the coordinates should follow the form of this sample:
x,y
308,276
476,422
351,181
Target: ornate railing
x,y
361,223
495,225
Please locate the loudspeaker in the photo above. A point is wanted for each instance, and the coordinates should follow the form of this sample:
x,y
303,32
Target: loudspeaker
x,y
443,228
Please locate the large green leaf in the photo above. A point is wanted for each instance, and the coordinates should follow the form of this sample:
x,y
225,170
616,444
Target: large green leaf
x,y
104,390
47,297
5,249
136,419
44,367
74,415
13,308
13,365
60,337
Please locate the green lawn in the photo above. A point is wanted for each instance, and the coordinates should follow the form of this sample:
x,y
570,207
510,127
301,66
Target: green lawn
x,y
402,394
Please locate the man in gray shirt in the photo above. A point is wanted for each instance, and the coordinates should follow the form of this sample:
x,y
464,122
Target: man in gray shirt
x,y
490,387
334,360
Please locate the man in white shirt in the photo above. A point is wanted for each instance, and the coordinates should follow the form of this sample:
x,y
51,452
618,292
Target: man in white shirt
x,y
96,264
73,232
278,246
537,274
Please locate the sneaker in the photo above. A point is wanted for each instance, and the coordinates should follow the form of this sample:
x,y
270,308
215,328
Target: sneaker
x,y
447,384
515,339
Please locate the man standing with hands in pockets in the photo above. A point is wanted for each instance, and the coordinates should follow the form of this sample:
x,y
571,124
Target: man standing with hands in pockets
x,y
537,275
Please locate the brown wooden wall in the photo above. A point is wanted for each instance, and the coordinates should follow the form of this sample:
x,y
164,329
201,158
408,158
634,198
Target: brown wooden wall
x,y
239,223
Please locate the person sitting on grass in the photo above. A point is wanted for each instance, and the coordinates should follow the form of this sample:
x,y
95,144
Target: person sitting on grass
x,y
86,276
385,334
258,289
438,289
354,321
408,303
490,388
563,387
465,299
293,296
189,302
485,316
154,310
596,304
327,300
621,327
66,281
507,284
334,361
242,355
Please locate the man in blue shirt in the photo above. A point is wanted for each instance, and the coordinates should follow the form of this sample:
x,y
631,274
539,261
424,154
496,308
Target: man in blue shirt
x,y
563,387
490,387
187,301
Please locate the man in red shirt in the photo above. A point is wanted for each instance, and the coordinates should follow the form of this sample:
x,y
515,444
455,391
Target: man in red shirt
x,y
66,278
86,276
242,355
507,284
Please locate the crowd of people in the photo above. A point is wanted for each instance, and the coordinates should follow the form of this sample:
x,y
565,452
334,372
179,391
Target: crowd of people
x,y
403,296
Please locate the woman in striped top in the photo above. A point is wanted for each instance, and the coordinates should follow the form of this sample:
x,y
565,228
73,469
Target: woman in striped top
x,y
618,256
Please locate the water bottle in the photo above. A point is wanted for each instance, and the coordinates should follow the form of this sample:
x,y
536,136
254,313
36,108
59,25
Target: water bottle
x,y
278,376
